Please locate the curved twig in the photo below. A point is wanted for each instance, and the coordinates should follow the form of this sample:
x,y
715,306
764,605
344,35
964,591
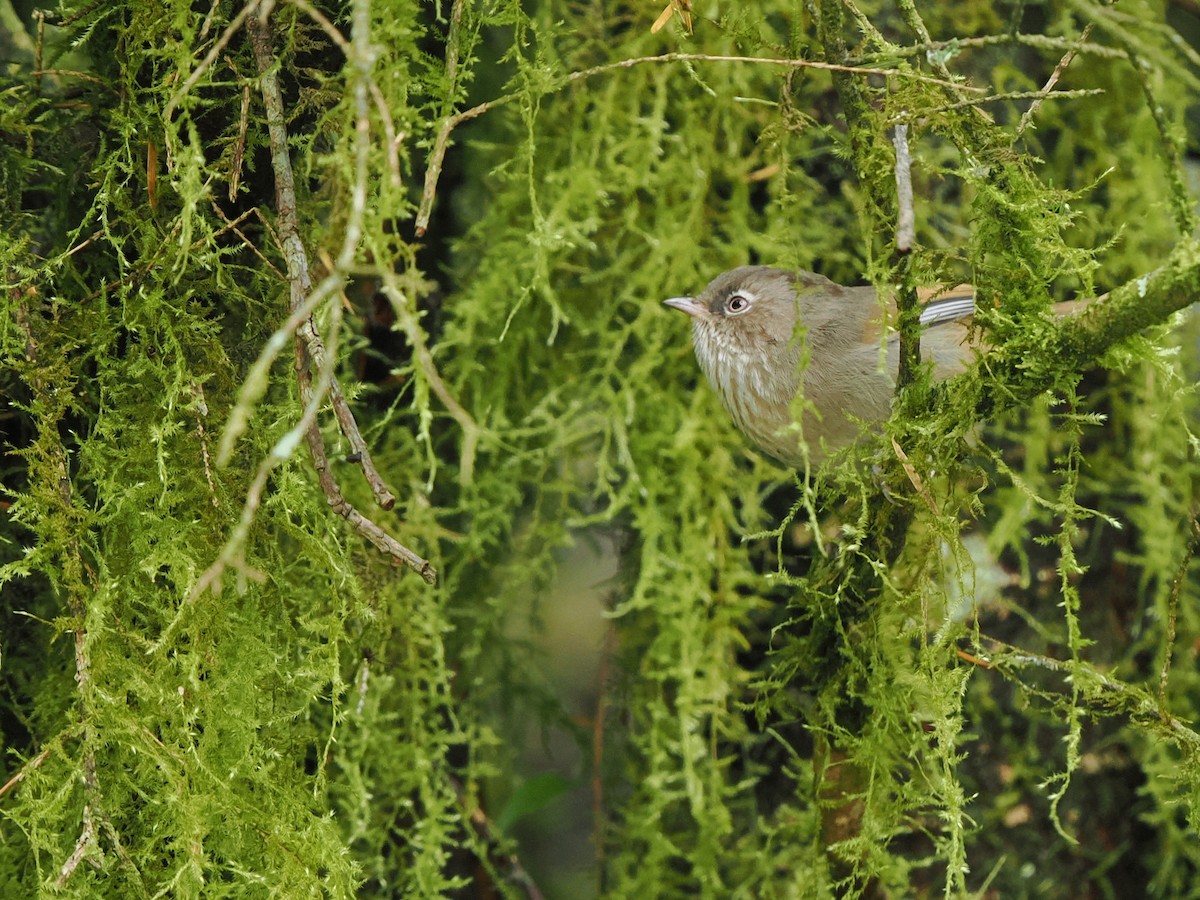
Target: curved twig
x,y
434,170
304,298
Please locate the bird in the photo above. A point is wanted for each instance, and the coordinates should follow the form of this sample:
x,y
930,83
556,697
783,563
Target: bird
x,y
763,335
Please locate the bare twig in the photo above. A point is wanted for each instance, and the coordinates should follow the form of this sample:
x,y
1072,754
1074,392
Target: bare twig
x,y
297,256
303,295
925,112
304,299
433,170
915,478
24,771
487,832
86,845
152,175
907,303
239,144
201,412
452,45
393,139
1173,609
683,8
364,526
765,61
74,573
232,225
449,123
424,359
205,64
953,47
361,682
84,244
1067,57
982,661
1132,701
905,217
40,16
72,73
206,25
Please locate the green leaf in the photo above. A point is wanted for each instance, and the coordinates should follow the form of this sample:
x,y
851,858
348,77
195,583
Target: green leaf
x,y
536,793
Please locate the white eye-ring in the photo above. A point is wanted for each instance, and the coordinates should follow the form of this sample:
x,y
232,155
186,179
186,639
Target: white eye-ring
x,y
737,304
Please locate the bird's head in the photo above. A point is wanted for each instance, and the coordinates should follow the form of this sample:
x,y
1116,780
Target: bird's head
x,y
743,315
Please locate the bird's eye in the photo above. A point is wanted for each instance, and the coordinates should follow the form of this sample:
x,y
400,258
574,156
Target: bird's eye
x,y
737,304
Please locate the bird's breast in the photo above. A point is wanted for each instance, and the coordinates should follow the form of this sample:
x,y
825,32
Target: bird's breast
x,y
756,387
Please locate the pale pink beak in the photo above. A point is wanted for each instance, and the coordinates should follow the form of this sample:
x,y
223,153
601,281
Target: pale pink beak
x,y
689,305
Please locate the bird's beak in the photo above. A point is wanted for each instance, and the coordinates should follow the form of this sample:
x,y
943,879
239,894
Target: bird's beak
x,y
689,305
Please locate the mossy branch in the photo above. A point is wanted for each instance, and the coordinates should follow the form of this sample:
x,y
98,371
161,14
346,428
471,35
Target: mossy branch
x,y
450,122
62,520
1031,363
301,285
1102,694
1133,307
304,299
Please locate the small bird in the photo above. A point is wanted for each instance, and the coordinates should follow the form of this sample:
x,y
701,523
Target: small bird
x,y
762,335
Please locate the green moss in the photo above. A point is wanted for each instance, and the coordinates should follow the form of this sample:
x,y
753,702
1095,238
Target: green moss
x,y
935,679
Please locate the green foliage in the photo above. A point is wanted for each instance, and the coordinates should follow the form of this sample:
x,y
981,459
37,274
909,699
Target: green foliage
x,y
968,669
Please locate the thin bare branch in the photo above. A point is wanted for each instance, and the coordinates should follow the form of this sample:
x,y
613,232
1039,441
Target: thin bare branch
x,y
393,139
424,359
205,64
1173,609
915,478
201,408
995,98
325,25
232,225
340,505
1127,699
84,847
239,144
1037,41
906,222
434,169
209,18
21,774
310,350
83,245
303,296
1027,117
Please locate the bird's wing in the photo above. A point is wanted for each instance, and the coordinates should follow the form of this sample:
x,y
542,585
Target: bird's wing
x,y
939,305
951,305
958,303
